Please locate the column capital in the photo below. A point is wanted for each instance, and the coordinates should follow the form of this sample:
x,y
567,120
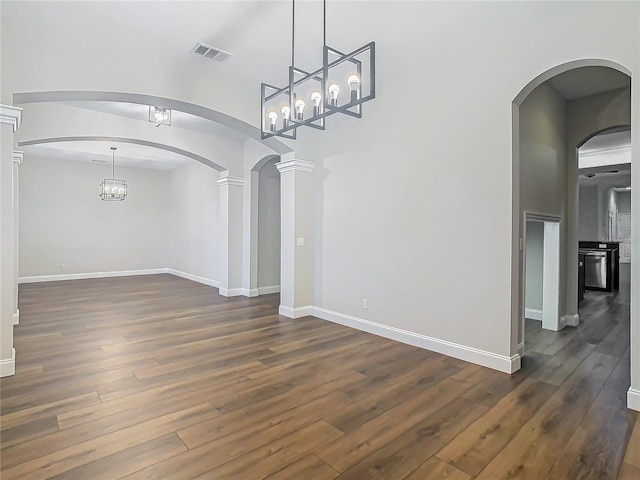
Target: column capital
x,y
295,165
18,156
227,181
11,115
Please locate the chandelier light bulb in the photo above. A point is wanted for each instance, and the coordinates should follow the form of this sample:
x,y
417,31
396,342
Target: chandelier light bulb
x,y
354,86
334,90
353,81
299,109
273,118
286,111
316,98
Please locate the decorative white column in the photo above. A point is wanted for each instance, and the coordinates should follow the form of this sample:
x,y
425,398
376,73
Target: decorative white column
x,y
10,119
231,216
297,238
17,160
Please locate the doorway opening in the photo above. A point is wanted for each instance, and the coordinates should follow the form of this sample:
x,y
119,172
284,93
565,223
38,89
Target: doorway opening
x,y
553,116
542,271
265,227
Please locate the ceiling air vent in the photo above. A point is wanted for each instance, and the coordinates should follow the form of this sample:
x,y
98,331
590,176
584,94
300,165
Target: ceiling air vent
x,y
211,52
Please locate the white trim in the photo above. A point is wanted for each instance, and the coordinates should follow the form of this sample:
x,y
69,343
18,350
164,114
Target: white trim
x,y
250,292
8,366
521,349
18,156
605,150
633,399
551,277
227,181
83,276
533,314
16,317
570,320
268,290
231,292
297,312
294,165
469,354
11,115
194,278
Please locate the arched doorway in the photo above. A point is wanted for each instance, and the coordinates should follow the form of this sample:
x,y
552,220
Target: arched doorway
x,y
561,179
265,227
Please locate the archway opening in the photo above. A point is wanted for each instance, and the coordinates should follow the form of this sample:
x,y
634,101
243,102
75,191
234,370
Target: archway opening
x,y
553,116
265,227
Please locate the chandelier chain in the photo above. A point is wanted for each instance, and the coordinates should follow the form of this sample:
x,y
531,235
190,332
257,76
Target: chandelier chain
x,y
293,32
324,23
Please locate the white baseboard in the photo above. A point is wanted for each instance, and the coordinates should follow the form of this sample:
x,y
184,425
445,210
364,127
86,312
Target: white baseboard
x,y
469,354
533,314
8,366
83,276
231,292
268,290
194,278
521,349
254,292
297,312
16,317
633,399
570,320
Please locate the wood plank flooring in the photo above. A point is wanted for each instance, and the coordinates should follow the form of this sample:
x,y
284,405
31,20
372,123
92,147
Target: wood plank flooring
x,y
157,377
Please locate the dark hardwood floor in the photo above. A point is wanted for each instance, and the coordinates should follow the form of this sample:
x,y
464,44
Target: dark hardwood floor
x,y
157,377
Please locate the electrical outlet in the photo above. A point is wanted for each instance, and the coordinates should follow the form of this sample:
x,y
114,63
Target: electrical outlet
x,y
365,303
63,267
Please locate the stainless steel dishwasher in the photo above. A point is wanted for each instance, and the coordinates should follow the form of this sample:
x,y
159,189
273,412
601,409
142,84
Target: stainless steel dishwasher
x,y
595,272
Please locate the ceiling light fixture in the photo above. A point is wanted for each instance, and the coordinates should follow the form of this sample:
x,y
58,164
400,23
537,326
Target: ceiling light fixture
x,y
160,116
355,70
110,188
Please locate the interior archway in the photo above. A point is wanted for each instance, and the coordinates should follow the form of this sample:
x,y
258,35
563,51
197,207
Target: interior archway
x,y
574,139
265,227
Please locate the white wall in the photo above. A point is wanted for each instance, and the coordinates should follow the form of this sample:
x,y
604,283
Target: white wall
x,y
269,225
194,219
610,210
543,179
382,226
588,214
542,152
624,202
64,221
534,266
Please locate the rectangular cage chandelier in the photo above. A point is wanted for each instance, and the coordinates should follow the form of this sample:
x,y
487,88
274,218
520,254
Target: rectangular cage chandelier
x,y
111,189
284,109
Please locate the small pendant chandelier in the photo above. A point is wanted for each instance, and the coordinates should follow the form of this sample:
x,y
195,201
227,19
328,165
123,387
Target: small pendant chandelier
x,y
283,108
110,188
159,116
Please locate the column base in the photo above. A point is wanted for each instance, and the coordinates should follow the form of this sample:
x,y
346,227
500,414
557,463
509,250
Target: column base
x,y
571,320
8,366
297,312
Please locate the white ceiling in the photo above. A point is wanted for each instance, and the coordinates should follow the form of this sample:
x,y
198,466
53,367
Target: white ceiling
x,y
585,81
607,141
257,32
178,119
130,155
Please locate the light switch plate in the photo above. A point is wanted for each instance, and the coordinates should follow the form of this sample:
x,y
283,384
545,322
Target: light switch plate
x,y
300,241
